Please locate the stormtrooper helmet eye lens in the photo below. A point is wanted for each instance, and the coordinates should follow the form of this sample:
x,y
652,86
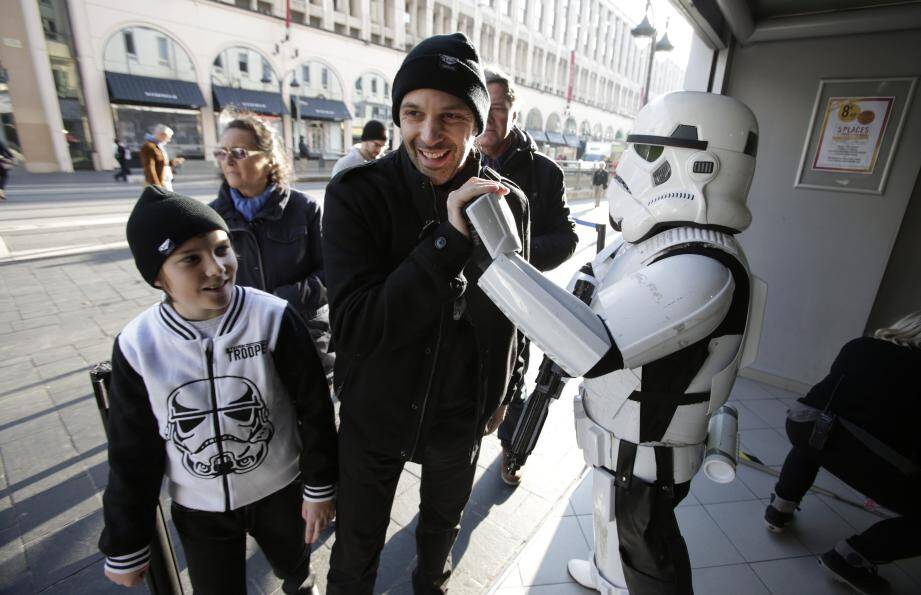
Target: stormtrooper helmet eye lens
x,y
190,423
241,415
649,152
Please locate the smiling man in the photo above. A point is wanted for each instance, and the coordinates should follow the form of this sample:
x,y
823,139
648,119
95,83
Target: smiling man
x,y
424,357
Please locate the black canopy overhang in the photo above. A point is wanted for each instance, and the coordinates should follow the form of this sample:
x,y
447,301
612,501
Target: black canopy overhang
x,y
314,108
260,102
148,90
572,141
555,138
538,135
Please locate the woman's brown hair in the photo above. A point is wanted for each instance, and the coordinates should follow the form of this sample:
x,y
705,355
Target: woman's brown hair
x,y
267,141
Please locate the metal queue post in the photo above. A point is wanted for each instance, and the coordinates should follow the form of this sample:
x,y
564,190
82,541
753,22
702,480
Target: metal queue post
x,y
163,575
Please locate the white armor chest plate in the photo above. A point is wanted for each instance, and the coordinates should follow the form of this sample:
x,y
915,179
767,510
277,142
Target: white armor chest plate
x,y
606,398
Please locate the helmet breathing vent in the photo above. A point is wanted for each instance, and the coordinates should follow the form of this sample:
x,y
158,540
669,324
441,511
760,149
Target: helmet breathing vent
x,y
703,167
662,174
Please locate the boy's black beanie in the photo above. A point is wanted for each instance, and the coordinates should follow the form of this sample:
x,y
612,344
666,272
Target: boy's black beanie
x,y
374,130
448,63
160,222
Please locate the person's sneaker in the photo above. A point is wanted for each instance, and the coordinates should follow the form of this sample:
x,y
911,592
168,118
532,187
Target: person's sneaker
x,y
512,479
860,578
774,520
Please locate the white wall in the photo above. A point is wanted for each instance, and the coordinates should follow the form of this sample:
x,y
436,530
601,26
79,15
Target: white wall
x,y
822,253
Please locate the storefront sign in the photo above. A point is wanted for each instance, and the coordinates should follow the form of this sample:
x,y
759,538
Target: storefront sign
x,y
852,133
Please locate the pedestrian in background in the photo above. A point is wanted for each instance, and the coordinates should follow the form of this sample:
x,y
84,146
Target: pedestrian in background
x,y
218,389
122,155
7,161
861,424
423,356
275,229
302,148
155,161
513,153
600,182
373,141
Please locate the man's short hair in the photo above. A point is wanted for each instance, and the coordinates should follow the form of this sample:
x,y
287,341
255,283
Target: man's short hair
x,y
495,75
161,128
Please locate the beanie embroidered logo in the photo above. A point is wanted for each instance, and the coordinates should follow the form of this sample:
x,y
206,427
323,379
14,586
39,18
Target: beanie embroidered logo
x,y
166,247
447,62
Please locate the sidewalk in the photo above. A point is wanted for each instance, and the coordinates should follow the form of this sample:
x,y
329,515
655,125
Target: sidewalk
x,y
731,551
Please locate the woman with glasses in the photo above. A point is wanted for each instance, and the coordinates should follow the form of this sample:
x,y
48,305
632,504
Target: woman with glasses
x,y
275,230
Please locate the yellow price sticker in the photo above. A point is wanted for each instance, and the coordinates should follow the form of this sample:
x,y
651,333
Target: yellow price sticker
x,y
848,111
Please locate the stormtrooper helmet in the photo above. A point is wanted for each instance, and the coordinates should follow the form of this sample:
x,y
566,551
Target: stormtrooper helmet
x,y
217,439
689,161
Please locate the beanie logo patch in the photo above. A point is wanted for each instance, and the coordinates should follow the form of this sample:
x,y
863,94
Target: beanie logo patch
x,y
447,62
166,247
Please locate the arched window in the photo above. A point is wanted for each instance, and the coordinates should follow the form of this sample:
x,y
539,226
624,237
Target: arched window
x,y
534,121
317,79
144,51
372,102
570,127
241,67
554,123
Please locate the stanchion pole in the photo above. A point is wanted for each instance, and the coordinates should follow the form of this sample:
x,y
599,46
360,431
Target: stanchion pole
x,y
163,574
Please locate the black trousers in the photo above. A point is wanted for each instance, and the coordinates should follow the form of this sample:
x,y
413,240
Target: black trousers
x,y
124,171
367,484
215,542
4,176
853,463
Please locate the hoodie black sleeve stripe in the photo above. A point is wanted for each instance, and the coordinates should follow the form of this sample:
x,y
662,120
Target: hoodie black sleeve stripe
x,y
137,455
300,369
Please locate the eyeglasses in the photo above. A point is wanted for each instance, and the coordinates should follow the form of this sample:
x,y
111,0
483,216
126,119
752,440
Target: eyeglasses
x,y
238,153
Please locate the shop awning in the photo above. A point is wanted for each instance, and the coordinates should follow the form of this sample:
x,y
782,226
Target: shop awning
x,y
147,90
539,136
314,108
572,141
555,138
260,102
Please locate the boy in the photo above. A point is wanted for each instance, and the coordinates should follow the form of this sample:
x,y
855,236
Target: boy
x,y
219,388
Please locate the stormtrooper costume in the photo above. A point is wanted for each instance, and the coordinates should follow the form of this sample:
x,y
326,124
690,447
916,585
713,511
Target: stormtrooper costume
x,y
674,314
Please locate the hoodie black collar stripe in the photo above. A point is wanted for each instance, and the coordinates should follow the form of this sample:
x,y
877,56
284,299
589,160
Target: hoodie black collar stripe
x,y
233,313
176,326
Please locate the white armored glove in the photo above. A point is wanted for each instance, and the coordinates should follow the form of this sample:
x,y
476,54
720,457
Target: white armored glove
x,y
563,326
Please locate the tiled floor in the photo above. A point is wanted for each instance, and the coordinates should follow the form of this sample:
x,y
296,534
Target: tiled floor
x,y
731,551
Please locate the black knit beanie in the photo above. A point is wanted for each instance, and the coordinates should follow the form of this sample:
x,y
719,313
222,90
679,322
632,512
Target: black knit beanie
x,y
160,222
374,130
448,63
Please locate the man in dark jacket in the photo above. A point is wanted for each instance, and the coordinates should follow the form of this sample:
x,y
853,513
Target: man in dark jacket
x,y
513,153
424,358
600,181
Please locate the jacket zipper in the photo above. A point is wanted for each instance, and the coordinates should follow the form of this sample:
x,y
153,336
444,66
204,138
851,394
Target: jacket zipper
x,y
441,317
216,424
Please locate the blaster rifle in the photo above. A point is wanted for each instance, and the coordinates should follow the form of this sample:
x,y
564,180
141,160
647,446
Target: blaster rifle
x,y
549,384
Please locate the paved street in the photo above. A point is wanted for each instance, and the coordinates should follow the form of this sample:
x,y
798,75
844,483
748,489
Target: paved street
x,y
67,286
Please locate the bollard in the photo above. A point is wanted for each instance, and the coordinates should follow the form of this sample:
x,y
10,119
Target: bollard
x,y
163,574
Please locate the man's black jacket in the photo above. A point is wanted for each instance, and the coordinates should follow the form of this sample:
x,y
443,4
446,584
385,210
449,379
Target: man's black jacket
x,y
553,234
394,273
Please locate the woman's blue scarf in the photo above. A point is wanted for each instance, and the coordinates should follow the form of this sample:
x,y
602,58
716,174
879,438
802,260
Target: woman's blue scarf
x,y
250,207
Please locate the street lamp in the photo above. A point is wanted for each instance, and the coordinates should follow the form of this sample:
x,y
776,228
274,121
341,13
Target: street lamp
x,y
645,29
